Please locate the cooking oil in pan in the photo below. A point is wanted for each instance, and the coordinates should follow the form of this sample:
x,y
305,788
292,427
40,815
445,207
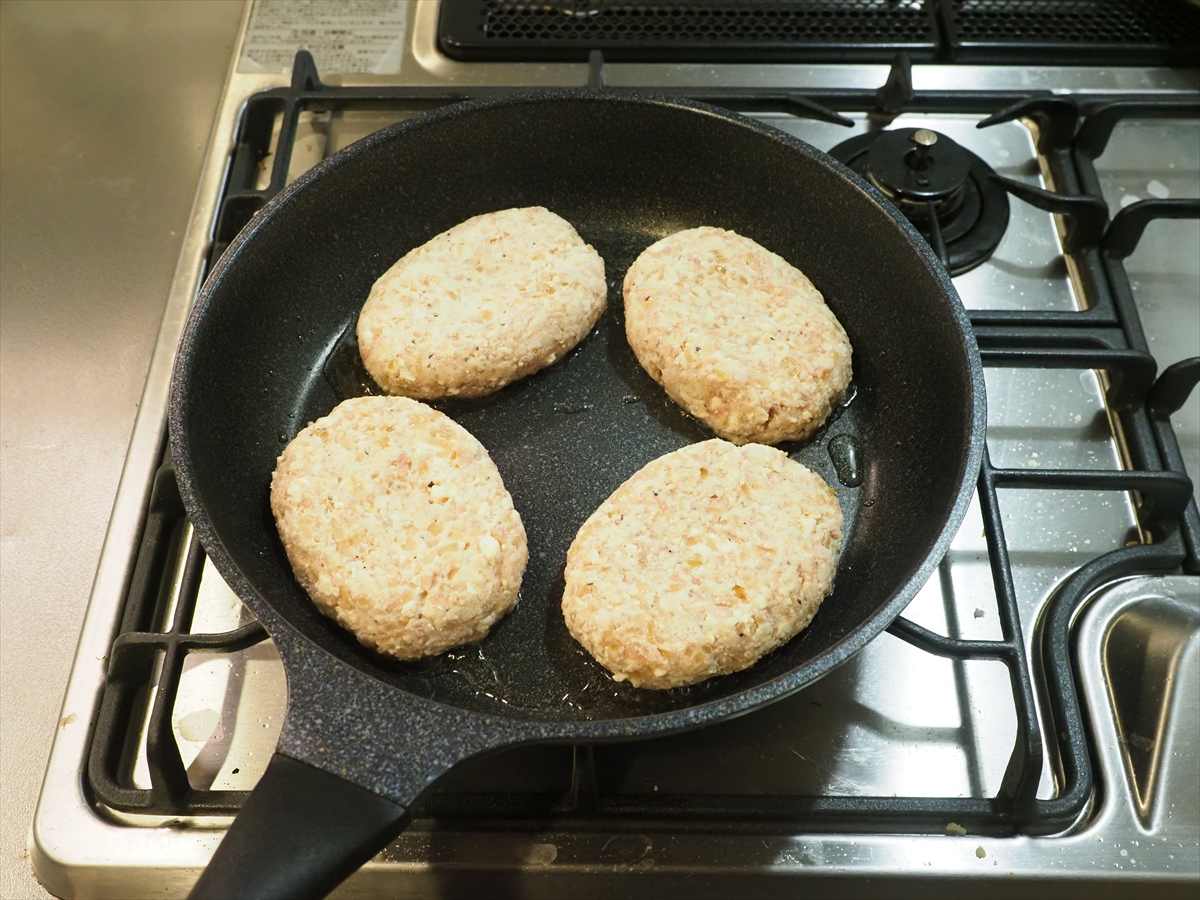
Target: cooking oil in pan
x,y
847,459
344,370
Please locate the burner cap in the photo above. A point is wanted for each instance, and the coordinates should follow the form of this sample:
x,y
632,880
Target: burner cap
x,y
917,164
944,189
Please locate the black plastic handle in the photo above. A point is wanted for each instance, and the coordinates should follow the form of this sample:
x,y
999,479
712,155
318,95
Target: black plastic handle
x,y
300,834
354,753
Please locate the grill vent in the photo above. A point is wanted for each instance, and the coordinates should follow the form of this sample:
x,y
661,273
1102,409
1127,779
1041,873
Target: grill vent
x,y
1106,31
1097,32
750,29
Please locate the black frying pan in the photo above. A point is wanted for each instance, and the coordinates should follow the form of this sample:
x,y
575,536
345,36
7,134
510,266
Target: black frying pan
x,y
269,348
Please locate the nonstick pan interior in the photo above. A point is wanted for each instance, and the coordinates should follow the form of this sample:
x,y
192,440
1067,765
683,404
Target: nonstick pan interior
x,y
272,349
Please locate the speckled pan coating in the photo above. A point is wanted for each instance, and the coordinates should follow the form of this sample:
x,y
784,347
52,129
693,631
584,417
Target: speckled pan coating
x,y
705,560
623,168
398,526
491,300
736,335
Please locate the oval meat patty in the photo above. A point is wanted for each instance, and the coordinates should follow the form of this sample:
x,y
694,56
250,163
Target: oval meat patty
x,y
736,336
702,562
489,301
397,524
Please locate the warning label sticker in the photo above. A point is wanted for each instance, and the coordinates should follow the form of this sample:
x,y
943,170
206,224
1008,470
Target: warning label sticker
x,y
342,35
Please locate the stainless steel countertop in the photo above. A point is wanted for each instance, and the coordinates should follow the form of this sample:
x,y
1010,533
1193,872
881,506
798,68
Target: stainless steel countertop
x,y
105,110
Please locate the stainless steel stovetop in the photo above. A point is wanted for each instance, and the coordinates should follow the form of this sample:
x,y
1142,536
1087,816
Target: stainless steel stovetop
x,y
895,722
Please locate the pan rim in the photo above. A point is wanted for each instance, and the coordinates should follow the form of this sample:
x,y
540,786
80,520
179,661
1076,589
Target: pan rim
x,y
531,729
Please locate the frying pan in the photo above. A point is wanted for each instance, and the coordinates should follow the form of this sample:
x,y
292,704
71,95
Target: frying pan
x,y
269,347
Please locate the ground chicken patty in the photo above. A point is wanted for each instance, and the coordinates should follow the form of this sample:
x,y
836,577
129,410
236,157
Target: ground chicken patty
x,y
489,301
702,562
736,335
398,526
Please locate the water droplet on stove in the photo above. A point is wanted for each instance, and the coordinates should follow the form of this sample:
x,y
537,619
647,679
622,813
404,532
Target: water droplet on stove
x,y
847,461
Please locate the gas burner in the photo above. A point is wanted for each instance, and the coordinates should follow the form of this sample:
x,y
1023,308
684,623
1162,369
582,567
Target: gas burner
x,y
942,188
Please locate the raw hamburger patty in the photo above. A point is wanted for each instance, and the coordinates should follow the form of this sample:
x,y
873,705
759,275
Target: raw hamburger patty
x,y
398,526
493,299
736,335
702,562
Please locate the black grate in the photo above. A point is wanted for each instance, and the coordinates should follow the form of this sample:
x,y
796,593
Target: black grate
x,y
741,29
1101,31
563,786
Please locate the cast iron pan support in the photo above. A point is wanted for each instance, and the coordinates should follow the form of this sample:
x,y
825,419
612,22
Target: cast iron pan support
x,y
1086,217
305,829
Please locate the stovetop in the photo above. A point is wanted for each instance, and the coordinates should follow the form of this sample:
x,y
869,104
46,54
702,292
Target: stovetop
x,y
1031,721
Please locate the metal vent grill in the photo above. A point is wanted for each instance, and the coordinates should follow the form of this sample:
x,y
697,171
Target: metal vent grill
x,y
1097,32
1103,31
749,29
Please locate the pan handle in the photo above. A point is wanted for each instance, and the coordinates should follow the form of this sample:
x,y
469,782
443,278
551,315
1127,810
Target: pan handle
x,y
353,755
301,832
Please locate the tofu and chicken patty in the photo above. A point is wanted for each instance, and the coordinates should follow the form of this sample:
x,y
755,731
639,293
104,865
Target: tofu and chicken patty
x,y
701,563
736,335
491,300
397,524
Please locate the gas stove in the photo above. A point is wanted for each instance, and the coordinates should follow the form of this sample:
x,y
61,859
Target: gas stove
x,y
1030,723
